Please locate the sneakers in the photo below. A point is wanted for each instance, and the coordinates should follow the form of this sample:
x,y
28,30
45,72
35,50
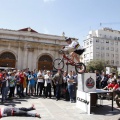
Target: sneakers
x,y
37,115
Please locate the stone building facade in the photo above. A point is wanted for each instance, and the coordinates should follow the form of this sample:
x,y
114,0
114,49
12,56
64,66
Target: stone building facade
x,y
26,48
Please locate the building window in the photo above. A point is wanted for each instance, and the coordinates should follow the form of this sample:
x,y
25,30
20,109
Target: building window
x,y
116,56
97,54
84,55
110,37
116,50
102,48
116,43
112,43
87,43
102,54
107,54
112,49
107,48
107,62
112,61
102,41
97,47
97,40
91,42
104,36
107,41
112,55
115,38
117,62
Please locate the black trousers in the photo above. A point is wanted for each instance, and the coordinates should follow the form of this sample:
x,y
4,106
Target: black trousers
x,y
48,90
58,90
12,90
40,86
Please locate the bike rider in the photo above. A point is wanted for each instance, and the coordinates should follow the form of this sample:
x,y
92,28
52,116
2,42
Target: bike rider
x,y
74,49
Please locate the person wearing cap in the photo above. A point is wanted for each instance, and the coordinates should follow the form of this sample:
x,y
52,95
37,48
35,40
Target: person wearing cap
x,y
74,49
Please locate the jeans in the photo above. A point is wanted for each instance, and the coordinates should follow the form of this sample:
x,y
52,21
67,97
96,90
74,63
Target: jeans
x,y
70,90
58,90
4,93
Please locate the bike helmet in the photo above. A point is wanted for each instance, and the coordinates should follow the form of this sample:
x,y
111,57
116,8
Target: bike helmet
x,y
68,39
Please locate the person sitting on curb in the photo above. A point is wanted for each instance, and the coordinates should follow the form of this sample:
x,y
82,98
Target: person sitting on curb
x,y
12,111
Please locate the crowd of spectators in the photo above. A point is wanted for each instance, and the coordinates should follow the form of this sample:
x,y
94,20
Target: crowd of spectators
x,y
46,84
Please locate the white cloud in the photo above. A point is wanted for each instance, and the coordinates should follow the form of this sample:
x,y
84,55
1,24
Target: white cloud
x,y
48,0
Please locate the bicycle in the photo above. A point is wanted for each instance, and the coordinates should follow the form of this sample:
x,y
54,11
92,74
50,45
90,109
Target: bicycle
x,y
58,63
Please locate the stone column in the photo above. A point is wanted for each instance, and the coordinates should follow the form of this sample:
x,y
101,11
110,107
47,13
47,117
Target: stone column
x,y
19,59
30,58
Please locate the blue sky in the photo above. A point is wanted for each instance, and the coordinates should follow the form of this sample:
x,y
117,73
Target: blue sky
x,y
74,17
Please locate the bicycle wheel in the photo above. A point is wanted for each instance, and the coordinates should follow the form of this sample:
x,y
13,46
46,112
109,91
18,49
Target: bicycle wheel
x,y
80,68
118,102
58,64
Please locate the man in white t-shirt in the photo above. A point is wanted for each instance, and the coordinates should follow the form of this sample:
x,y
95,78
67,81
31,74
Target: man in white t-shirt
x,y
74,49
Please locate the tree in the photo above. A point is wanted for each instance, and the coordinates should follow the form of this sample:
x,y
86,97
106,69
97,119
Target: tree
x,y
95,65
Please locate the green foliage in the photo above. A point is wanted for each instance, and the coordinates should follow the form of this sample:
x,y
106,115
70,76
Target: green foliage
x,y
95,65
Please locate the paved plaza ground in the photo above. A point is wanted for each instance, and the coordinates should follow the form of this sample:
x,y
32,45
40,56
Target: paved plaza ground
x,y
50,109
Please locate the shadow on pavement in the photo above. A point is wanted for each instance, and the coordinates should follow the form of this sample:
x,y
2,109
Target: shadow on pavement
x,y
105,110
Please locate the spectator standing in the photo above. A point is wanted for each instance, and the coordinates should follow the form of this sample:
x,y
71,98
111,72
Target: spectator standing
x,y
40,83
70,80
104,80
98,79
74,84
22,78
35,78
65,88
18,85
4,82
31,83
12,81
58,80
47,84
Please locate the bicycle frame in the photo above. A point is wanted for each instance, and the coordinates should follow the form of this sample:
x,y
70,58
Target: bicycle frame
x,y
68,60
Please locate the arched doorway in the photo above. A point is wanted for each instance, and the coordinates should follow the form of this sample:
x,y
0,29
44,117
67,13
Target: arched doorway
x,y
7,59
45,63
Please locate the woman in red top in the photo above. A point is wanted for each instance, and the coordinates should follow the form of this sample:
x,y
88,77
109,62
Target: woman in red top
x,y
117,94
111,85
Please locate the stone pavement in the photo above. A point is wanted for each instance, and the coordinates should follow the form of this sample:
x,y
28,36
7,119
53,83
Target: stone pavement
x,y
50,109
